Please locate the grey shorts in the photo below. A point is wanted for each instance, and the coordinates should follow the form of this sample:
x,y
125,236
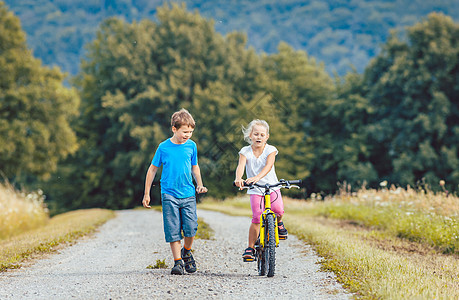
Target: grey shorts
x,y
178,215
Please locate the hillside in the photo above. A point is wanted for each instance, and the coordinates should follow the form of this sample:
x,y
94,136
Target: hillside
x,y
339,33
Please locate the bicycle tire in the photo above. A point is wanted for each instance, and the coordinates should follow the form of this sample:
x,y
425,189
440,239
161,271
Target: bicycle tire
x,y
261,262
271,246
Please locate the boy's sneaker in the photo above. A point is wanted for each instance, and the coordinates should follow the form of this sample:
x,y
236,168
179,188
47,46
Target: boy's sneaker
x,y
283,233
190,264
178,268
248,255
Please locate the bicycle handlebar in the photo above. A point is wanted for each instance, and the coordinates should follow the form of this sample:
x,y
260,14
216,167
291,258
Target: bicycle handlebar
x,y
282,182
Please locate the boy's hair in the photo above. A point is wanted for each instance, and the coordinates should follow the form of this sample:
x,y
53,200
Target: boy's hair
x,y
247,131
182,117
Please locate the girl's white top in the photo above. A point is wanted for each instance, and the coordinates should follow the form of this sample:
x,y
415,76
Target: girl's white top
x,y
254,165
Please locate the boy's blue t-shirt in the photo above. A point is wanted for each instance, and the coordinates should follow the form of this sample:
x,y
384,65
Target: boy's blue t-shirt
x,y
177,159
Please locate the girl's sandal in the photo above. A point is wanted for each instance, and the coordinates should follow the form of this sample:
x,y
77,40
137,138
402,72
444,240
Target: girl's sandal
x,y
249,255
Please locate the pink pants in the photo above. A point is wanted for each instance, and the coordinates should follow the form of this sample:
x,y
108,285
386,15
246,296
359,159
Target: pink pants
x,y
257,203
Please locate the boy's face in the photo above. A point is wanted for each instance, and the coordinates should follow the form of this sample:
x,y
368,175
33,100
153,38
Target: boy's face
x,y
182,134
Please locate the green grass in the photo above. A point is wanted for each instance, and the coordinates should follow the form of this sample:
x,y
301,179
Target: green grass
x,y
374,266
438,231
61,229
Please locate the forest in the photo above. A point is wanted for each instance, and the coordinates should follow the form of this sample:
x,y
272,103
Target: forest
x,y
343,34
89,144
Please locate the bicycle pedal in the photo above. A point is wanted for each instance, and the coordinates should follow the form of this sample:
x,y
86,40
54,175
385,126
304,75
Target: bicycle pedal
x,y
283,237
248,259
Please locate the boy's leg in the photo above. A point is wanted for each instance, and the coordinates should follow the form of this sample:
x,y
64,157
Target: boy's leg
x,y
171,218
189,219
172,230
178,262
188,242
175,248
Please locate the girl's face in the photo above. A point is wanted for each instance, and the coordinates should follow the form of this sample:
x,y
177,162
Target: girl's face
x,y
259,136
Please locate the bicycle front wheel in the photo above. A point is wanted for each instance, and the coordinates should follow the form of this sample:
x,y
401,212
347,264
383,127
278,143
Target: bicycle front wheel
x,y
270,251
261,262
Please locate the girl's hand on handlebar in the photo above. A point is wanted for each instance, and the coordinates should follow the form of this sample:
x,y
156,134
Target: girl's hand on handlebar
x,y
251,180
239,183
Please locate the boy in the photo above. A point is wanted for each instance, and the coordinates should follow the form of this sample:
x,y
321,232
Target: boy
x,y
179,158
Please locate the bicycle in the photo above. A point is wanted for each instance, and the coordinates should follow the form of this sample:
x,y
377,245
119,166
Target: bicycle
x,y
265,247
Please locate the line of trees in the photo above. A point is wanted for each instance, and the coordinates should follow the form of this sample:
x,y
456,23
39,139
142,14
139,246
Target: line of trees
x,y
337,32
398,121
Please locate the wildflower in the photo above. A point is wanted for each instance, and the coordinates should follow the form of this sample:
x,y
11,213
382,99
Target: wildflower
x,y
383,183
442,184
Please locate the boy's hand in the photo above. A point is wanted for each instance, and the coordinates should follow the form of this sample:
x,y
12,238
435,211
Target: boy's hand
x,y
201,189
146,201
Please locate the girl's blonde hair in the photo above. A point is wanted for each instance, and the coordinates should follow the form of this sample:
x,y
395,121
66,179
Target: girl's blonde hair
x,y
248,130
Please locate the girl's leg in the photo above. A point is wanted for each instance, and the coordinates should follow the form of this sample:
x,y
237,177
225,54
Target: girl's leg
x,y
254,230
277,205
256,203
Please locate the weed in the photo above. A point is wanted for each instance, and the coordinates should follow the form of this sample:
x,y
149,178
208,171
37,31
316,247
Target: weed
x,y
160,264
20,211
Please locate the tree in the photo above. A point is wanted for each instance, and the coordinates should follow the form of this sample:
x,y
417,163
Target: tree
x,y
346,152
35,108
413,88
301,90
134,77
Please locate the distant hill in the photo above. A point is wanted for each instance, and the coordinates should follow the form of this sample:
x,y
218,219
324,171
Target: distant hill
x,y
338,33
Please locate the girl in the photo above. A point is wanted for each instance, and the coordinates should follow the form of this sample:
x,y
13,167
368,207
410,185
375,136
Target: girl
x,y
258,159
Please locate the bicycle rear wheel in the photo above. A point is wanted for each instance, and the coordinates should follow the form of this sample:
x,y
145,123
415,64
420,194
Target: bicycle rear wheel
x,y
270,250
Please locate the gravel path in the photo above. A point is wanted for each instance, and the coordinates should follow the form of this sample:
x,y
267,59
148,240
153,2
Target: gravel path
x,y
112,265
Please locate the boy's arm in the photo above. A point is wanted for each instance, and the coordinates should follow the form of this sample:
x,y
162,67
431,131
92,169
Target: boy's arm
x,y
269,164
148,181
200,188
240,171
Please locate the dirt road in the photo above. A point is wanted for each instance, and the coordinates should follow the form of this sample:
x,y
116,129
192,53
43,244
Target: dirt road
x,y
112,264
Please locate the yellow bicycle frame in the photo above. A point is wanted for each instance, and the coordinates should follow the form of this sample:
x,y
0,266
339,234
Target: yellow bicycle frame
x,y
265,213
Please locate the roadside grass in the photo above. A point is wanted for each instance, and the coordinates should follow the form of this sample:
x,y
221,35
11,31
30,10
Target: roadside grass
x,y
377,251
20,211
416,215
205,232
61,229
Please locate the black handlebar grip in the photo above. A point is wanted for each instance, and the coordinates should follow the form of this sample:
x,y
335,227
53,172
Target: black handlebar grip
x,y
298,182
245,184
